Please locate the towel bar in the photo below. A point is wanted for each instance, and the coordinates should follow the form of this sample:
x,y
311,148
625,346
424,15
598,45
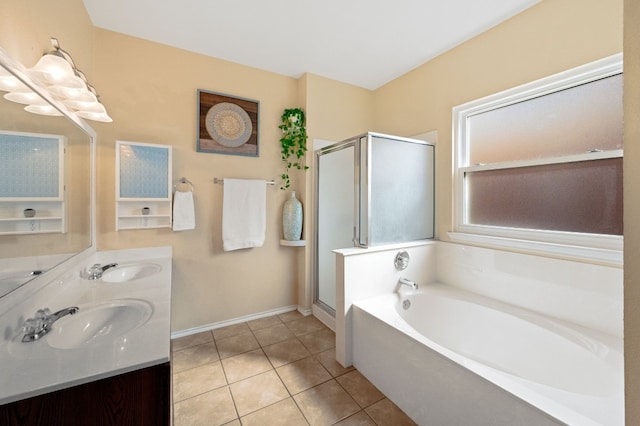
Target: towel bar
x,y
221,181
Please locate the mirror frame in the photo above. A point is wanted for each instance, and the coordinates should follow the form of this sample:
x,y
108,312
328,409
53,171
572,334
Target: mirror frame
x,y
19,71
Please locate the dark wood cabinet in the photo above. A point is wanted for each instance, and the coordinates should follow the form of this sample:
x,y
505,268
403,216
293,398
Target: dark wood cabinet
x,y
141,397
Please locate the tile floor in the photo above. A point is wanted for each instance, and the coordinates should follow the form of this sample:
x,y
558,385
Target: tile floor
x,y
279,370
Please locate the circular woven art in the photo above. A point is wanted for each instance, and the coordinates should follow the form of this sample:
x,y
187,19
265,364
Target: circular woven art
x,y
228,124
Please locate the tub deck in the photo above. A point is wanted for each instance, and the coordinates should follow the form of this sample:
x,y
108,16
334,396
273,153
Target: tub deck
x,y
434,384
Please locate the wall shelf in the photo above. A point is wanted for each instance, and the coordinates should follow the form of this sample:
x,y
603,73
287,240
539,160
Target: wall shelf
x,y
298,243
143,180
33,179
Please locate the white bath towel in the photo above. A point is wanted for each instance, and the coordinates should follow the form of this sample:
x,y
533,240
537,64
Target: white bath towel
x,y
244,213
184,217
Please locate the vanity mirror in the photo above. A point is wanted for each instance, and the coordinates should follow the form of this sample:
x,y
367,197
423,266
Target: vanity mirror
x,y
38,232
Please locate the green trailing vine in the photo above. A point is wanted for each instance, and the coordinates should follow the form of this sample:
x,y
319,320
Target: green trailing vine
x,y
293,144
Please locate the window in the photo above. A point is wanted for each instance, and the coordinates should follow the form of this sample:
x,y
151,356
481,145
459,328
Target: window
x,y
539,167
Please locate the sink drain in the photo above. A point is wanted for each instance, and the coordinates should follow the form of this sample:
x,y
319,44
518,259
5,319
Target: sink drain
x,y
406,304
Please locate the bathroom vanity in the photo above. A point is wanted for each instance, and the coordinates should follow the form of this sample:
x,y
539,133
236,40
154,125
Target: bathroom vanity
x,y
106,364
100,353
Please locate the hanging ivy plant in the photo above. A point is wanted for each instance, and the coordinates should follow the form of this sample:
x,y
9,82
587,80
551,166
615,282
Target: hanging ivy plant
x,y
293,144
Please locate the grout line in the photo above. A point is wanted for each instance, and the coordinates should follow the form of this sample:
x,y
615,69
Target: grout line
x,y
311,355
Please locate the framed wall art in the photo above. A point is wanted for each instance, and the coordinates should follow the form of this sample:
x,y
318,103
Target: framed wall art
x,y
227,124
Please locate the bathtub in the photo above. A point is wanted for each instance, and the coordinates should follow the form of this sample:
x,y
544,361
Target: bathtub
x,y
451,357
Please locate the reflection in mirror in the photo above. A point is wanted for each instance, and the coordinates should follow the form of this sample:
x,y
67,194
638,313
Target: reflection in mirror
x,y
24,254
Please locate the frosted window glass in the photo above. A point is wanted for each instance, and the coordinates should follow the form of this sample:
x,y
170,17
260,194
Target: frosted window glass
x,y
29,166
575,197
571,121
335,219
402,191
144,172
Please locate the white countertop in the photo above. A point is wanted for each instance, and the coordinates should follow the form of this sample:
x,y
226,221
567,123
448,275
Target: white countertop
x,y
34,368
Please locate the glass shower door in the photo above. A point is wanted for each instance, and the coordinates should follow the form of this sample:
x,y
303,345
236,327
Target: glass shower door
x,y
335,204
396,190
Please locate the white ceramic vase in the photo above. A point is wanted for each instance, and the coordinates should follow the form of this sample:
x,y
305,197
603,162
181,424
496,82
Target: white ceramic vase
x,y
292,218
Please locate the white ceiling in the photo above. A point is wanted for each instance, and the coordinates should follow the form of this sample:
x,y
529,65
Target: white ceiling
x,y
366,43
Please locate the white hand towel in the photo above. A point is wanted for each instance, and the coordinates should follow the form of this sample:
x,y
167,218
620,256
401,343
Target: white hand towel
x,y
184,217
244,213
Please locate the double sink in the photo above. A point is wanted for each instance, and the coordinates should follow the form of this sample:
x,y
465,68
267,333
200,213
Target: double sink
x,y
98,322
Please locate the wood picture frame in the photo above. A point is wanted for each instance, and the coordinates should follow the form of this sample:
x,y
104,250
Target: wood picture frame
x,y
227,124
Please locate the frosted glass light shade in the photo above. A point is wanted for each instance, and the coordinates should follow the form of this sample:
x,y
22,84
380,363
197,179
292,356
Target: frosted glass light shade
x,y
72,94
43,110
95,116
54,70
12,84
95,106
28,98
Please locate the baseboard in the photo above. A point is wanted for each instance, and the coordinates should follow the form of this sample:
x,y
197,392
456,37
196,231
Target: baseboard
x,y
208,327
324,317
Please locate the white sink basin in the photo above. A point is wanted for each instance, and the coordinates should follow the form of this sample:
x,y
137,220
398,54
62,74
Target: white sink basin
x,y
98,323
130,272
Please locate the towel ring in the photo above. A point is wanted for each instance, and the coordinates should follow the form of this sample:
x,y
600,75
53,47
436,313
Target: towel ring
x,y
183,181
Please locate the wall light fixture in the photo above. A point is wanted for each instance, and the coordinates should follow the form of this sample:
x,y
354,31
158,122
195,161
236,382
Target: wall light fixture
x,y
57,73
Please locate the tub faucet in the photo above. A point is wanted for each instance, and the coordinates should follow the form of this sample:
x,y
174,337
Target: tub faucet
x,y
95,272
407,282
40,324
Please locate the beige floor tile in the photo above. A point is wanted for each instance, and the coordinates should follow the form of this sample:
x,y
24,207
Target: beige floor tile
x,y
258,392
264,322
192,340
305,325
194,356
238,344
386,413
230,331
326,404
359,419
235,422
270,335
290,316
211,408
285,352
245,365
319,341
198,380
283,413
328,360
303,374
360,389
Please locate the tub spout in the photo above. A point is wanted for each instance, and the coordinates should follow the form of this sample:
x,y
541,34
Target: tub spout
x,y
409,283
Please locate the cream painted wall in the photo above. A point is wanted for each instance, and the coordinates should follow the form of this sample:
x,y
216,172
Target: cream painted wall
x,y
548,38
151,93
26,28
632,210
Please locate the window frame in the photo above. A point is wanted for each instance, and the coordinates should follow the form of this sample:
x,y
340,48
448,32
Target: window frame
x,y
580,246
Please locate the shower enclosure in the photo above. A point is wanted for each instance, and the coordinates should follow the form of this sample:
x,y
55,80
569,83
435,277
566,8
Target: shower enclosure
x,y
372,189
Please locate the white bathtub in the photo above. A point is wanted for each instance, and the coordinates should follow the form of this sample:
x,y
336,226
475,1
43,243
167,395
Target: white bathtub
x,y
455,358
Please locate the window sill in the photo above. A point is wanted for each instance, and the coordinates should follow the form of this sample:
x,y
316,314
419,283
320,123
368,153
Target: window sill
x,y
610,257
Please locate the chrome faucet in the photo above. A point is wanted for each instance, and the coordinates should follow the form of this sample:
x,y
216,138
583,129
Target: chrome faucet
x,y
96,271
40,324
408,282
